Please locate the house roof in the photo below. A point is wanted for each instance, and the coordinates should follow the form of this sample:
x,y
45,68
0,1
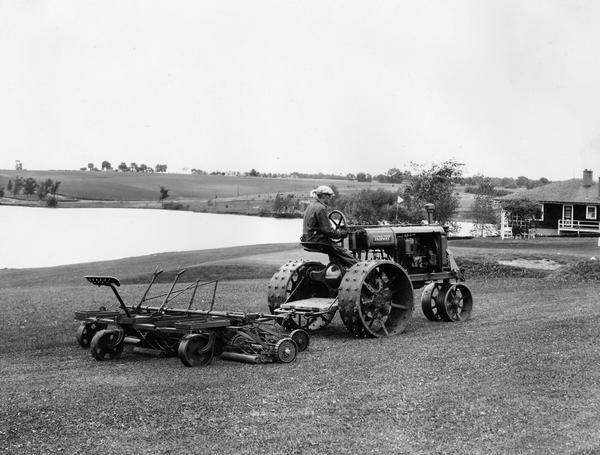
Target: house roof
x,y
566,191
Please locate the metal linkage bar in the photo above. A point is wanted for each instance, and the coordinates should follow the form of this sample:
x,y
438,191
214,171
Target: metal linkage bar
x,y
154,277
166,300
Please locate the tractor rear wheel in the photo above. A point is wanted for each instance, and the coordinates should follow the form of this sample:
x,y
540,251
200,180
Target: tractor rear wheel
x,y
291,282
376,299
457,303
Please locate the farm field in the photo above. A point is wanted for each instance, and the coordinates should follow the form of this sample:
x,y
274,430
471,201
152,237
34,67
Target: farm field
x,y
520,377
119,186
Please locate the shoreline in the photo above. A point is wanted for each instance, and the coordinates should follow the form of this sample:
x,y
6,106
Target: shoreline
x,y
223,207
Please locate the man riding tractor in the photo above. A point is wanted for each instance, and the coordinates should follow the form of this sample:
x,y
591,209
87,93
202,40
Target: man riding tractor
x,y
319,234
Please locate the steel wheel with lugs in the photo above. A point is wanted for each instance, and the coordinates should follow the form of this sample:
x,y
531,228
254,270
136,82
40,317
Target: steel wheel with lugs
x,y
291,282
376,299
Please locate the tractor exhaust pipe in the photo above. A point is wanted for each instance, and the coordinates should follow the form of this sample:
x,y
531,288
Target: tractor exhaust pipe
x,y
430,209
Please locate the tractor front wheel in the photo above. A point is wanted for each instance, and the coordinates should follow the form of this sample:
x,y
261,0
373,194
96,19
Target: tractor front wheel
x,y
432,298
457,303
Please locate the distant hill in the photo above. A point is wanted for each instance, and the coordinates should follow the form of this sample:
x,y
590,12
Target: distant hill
x,y
133,186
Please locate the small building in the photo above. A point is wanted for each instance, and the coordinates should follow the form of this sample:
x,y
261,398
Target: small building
x,y
567,207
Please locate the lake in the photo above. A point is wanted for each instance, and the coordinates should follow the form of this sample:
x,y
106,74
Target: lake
x,y
41,237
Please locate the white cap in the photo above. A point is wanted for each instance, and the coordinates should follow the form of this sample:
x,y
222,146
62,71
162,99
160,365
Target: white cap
x,y
323,189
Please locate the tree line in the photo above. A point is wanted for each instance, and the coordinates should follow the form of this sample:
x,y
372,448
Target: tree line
x,y
405,205
436,184
124,167
396,176
45,189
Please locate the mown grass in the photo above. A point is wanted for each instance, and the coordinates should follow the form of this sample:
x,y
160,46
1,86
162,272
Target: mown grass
x,y
519,377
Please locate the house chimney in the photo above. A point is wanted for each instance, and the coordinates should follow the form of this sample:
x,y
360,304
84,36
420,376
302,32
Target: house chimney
x,y
588,179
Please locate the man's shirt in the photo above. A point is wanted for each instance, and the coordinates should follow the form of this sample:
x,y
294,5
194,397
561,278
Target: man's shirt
x,y
316,226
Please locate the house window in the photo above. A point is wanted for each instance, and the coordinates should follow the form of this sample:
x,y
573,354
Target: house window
x,y
590,212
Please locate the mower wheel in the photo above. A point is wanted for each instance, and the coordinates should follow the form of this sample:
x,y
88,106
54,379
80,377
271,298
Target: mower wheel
x,y
301,339
285,350
107,344
196,349
86,331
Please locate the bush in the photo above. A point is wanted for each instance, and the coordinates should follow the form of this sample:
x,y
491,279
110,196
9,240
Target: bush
x,y
483,268
174,206
583,270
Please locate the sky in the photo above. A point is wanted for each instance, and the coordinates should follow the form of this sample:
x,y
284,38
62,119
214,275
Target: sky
x,y
508,88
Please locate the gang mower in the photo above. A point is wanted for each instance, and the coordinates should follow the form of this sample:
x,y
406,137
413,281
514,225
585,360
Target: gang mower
x,y
195,335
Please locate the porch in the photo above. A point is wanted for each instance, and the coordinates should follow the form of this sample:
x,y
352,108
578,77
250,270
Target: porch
x,y
567,225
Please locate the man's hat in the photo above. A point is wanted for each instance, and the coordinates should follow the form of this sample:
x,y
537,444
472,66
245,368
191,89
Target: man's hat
x,y
323,189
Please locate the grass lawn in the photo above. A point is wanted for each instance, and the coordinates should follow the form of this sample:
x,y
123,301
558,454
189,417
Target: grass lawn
x,y
520,377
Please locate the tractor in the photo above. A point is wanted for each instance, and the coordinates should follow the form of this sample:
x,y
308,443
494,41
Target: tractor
x,y
375,295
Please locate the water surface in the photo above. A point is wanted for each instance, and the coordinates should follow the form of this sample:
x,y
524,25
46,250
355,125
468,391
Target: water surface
x,y
41,237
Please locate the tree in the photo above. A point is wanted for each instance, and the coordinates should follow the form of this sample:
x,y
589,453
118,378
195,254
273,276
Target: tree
x,y
44,188
253,173
134,167
164,193
434,185
522,181
9,186
484,185
106,166
18,185
363,177
123,167
90,166
1,191
524,209
143,168
369,206
278,203
54,188
483,215
161,168
29,187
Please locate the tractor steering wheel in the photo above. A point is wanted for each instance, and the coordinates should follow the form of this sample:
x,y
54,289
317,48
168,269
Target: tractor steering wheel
x,y
338,222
